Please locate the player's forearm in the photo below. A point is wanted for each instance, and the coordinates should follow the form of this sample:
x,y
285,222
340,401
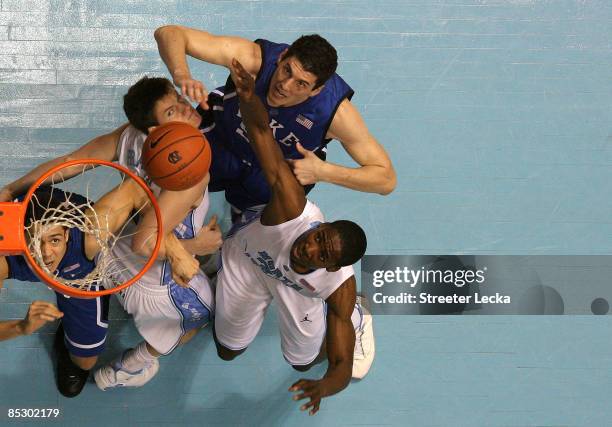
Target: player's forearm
x,y
11,329
22,184
370,179
172,47
266,149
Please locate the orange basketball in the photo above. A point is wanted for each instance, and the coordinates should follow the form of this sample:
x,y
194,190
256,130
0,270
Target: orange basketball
x,y
176,156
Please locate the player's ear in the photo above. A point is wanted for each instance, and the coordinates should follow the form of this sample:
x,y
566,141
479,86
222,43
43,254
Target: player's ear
x,y
332,269
151,128
66,233
316,91
281,56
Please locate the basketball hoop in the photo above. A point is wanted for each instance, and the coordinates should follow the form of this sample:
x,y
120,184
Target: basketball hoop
x,y
78,212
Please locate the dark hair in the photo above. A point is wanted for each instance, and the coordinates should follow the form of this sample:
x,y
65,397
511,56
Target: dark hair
x,y
140,99
47,197
354,242
316,55
44,198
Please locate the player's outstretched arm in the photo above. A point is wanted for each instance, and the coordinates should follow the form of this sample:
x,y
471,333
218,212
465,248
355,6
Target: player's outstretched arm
x,y
174,42
375,173
112,211
103,147
288,198
174,206
39,313
340,339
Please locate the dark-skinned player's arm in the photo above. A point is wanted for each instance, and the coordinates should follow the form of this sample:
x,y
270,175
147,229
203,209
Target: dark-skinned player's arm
x,y
340,342
286,203
39,313
287,198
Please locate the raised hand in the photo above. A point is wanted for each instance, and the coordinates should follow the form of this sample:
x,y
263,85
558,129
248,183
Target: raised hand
x,y
39,313
306,170
193,89
209,238
245,84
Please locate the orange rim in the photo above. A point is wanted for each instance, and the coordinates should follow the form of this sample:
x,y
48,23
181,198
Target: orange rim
x,y
69,290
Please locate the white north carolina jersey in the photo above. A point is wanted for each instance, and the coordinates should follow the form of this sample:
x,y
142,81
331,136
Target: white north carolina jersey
x,y
268,249
129,152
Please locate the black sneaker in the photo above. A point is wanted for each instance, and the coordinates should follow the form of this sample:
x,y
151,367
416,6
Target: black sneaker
x,y
70,378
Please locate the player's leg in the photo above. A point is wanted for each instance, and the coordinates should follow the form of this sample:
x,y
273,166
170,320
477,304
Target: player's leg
x,y
302,326
241,303
166,317
81,337
302,322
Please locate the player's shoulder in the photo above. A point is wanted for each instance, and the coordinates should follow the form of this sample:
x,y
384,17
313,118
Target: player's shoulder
x,y
131,134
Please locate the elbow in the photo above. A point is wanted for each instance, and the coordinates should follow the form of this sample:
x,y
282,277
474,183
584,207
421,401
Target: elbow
x,y
163,31
389,185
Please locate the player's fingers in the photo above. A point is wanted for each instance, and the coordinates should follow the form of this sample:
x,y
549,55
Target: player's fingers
x,y
204,102
47,308
46,317
315,409
213,222
307,405
301,396
304,152
297,385
54,313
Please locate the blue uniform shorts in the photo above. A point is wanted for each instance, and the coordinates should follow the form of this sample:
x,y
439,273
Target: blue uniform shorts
x,y
85,324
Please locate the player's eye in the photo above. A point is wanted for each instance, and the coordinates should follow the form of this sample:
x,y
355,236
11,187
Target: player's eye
x,y
170,113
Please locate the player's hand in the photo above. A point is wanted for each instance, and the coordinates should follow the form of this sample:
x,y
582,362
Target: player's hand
x,y
306,170
209,238
245,84
39,313
5,195
183,269
193,89
314,390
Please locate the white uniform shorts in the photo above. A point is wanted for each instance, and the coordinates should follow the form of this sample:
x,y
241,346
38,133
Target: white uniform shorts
x,y
243,294
164,313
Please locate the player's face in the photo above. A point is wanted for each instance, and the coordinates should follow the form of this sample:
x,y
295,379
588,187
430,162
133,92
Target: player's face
x,y
174,108
53,246
317,248
291,84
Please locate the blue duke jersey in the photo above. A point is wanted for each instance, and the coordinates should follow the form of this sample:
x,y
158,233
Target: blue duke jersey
x,y
233,157
266,249
129,152
74,264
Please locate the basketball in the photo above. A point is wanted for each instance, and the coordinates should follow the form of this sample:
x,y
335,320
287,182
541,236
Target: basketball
x,y
176,156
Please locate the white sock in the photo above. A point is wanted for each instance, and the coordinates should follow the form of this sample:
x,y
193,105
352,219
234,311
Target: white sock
x,y
137,358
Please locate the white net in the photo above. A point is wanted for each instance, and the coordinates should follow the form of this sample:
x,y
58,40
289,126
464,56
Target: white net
x,y
73,204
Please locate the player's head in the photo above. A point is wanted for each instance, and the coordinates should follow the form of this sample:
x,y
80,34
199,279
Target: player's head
x,y
153,101
302,71
54,238
331,245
